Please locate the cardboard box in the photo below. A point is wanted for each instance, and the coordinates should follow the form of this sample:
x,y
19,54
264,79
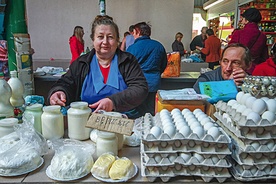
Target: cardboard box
x,y
180,104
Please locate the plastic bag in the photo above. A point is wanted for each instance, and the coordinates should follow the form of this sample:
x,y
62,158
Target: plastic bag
x,y
72,158
173,66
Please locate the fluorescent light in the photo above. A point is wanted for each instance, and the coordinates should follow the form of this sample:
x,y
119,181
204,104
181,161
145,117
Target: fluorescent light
x,y
211,3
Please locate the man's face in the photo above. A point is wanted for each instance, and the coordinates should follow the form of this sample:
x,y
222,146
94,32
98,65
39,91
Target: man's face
x,y
232,60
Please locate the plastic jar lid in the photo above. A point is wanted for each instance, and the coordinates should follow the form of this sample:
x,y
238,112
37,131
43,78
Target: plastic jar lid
x,y
52,108
79,105
8,122
107,135
34,106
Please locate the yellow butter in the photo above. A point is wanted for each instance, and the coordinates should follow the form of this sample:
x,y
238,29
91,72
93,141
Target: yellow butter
x,y
120,168
102,165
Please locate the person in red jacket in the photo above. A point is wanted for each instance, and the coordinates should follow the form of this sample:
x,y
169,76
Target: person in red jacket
x,y
76,43
211,49
252,37
267,68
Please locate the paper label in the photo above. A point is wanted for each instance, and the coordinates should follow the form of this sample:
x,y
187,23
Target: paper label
x,y
110,123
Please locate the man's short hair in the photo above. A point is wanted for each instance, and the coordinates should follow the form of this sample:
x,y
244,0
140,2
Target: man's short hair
x,y
247,56
210,32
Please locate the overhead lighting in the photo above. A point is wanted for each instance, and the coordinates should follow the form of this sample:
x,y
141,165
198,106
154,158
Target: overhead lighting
x,y
211,3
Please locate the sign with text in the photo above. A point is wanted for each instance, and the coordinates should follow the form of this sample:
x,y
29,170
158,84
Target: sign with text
x,y
110,123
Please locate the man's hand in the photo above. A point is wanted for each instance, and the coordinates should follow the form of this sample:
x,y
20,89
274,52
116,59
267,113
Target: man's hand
x,y
238,75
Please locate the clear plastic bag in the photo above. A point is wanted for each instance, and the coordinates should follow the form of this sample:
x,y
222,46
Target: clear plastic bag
x,y
72,158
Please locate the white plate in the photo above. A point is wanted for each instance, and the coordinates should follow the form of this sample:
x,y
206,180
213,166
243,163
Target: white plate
x,y
50,175
121,180
26,171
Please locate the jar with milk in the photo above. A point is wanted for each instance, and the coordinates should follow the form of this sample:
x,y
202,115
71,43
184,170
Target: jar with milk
x,y
35,110
106,142
77,115
52,122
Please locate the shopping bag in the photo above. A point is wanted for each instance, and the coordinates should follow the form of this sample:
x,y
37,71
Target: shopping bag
x,y
173,66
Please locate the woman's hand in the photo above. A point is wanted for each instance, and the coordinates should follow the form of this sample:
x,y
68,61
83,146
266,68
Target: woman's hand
x,y
58,98
238,75
104,104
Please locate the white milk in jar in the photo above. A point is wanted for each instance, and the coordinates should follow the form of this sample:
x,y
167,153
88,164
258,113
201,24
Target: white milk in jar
x,y
6,126
35,110
106,142
52,122
119,136
77,115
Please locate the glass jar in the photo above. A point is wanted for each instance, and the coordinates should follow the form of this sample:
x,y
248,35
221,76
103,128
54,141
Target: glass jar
x,y
106,142
77,115
35,110
6,126
52,122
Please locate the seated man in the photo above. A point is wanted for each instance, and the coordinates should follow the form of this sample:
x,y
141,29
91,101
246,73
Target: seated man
x,y
234,61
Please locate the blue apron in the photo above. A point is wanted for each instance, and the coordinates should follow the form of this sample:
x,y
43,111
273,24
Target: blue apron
x,y
94,89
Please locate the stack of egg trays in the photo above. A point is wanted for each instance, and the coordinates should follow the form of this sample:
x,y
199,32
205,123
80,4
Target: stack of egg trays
x,y
253,146
165,157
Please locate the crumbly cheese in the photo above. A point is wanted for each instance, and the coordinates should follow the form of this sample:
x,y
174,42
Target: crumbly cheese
x,y
120,168
102,165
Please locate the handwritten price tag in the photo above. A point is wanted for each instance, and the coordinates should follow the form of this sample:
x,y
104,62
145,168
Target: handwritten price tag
x,y
110,123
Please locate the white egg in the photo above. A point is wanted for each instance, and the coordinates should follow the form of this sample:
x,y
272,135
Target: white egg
x,y
249,102
191,121
205,120
246,111
184,111
197,111
189,115
166,120
271,105
241,108
239,96
270,116
185,131
214,132
199,114
170,130
207,126
255,117
236,106
167,125
231,102
180,125
164,111
175,111
199,131
259,106
195,124
156,131
265,98
202,116
244,98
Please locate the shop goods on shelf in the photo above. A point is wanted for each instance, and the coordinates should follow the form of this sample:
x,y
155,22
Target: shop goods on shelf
x,y
259,85
250,122
183,143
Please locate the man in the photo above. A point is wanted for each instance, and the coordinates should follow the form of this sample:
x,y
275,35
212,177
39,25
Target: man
x,y
152,57
235,60
211,49
128,40
199,41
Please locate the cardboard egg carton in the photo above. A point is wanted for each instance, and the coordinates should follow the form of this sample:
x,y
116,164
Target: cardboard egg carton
x,y
206,173
147,136
185,146
247,133
251,173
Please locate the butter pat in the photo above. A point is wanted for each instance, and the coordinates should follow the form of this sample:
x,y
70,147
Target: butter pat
x,y
121,168
102,165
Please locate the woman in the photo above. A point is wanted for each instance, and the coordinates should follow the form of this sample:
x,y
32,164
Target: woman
x,y
267,68
252,37
177,45
76,43
107,78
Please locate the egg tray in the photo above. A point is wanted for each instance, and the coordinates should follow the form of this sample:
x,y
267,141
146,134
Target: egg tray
x,y
147,136
164,147
169,159
165,173
246,133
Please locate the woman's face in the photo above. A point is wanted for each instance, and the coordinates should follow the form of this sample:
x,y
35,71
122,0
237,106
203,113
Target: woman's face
x,y
105,42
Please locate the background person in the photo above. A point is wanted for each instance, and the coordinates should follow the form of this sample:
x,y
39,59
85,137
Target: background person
x,y
177,45
252,37
76,43
267,68
152,57
128,40
107,78
211,49
199,41
234,62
